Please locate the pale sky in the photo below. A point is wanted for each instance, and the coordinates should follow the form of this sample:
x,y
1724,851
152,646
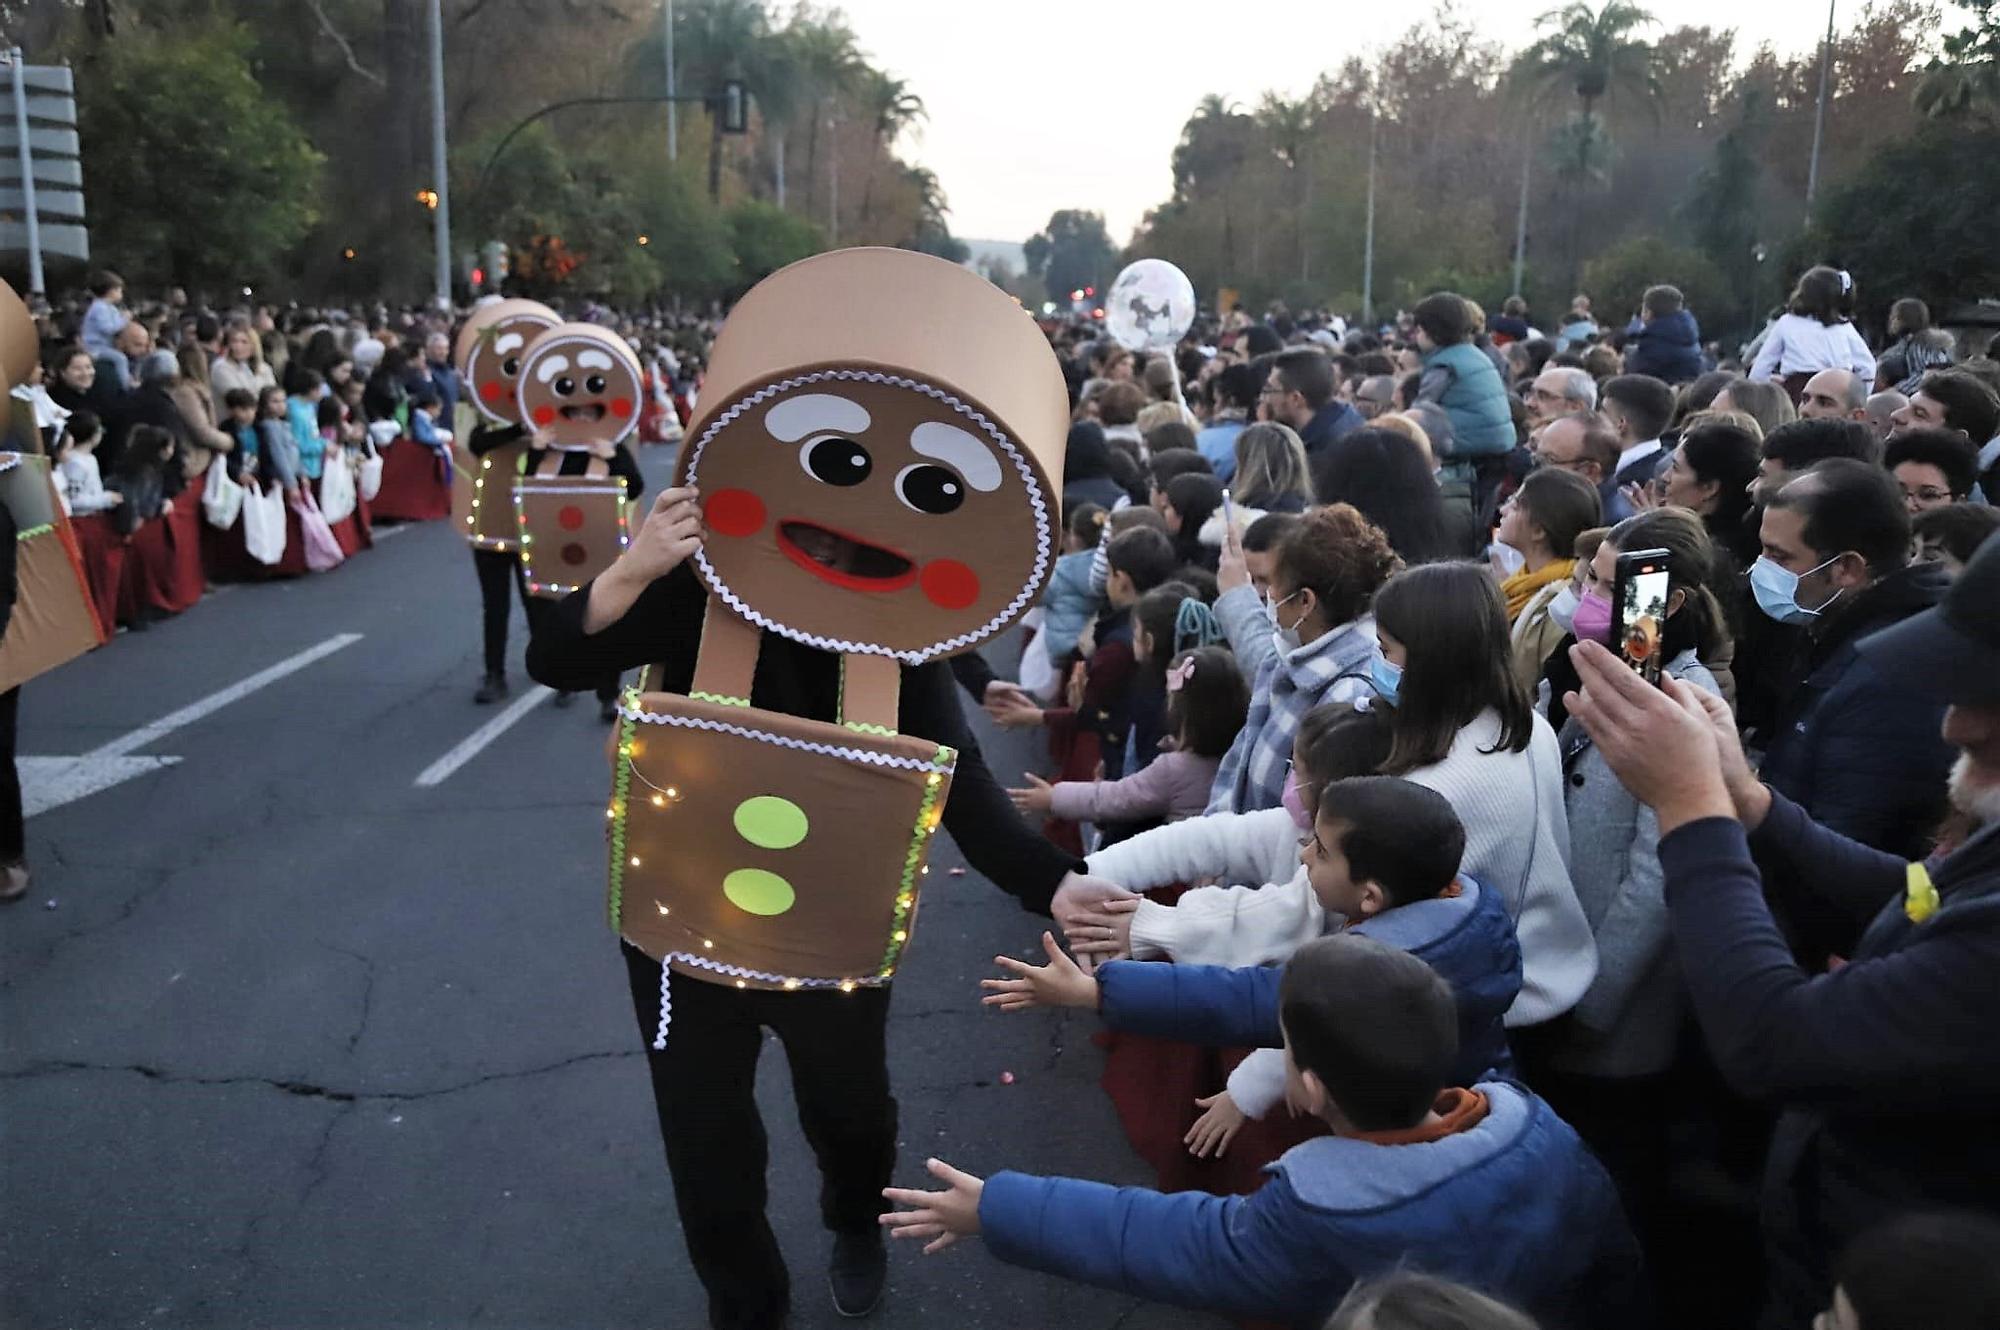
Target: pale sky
x,y
1011,144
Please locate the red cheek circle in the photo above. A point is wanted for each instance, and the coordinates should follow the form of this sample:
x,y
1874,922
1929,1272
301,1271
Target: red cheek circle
x,y
492,391
569,517
574,554
733,512
949,584
544,415
621,407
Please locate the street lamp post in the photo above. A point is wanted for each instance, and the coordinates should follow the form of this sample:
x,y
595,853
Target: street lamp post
x,y
1368,231
673,108
1819,114
441,222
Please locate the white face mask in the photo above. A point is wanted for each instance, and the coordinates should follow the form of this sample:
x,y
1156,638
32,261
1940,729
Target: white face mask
x,y
1286,640
1563,608
1505,557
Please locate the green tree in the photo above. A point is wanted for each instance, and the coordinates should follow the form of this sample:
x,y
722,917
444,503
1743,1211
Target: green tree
x,y
1617,278
1936,244
715,41
890,108
1724,216
195,175
766,238
1966,77
1073,251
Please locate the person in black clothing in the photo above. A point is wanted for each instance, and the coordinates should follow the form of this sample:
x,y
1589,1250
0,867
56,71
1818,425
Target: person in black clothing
x,y
13,831
599,458
499,568
647,609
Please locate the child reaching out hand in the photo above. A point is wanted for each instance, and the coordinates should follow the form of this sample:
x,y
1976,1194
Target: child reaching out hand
x,y
1416,1164
1206,702
1382,859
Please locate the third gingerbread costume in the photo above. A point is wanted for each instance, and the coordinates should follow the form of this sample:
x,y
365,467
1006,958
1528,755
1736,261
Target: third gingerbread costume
x,y
879,460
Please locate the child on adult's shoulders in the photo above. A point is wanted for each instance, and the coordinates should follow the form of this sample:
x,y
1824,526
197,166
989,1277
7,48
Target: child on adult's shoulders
x,y
1482,1183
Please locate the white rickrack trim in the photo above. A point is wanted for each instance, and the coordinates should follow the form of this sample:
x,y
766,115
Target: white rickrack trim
x,y
738,972
784,741
8,461
1008,612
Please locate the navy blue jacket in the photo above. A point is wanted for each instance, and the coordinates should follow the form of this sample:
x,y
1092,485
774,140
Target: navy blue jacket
x,y
1468,939
1886,1067
1514,1205
1668,348
1330,424
1859,751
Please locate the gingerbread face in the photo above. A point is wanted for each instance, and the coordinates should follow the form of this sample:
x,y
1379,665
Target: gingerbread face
x,y
872,511
491,346
580,383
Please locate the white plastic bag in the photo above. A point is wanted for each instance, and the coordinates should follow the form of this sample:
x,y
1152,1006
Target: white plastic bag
x,y
370,477
336,486
264,523
221,497
322,550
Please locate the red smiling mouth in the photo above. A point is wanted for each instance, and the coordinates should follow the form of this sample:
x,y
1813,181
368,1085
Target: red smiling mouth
x,y
843,560
590,411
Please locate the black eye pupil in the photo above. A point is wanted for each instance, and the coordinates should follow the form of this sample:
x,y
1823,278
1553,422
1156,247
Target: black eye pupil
x,y
511,366
565,386
932,489
594,384
839,461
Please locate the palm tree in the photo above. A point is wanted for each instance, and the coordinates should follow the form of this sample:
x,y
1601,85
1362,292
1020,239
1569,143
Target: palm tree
x,y
825,62
889,108
1288,127
718,40
1592,55
1967,75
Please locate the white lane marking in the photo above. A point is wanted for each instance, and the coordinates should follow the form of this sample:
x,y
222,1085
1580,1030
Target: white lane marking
x,y
51,782
473,744
214,702
396,529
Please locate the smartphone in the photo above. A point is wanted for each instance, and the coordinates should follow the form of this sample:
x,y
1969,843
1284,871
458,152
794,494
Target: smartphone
x,y
1640,588
1228,513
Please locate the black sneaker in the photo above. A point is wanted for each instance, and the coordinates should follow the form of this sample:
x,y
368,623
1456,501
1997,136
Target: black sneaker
x,y
563,699
859,1268
607,709
491,690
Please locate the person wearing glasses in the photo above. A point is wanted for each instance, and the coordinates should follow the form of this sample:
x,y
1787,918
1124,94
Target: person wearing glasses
x,y
1934,467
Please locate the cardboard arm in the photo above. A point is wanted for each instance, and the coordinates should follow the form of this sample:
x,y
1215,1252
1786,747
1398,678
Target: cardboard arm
x,y
869,686
726,662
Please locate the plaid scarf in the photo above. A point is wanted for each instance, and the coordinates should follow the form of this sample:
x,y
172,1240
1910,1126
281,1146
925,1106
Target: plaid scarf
x,y
1332,668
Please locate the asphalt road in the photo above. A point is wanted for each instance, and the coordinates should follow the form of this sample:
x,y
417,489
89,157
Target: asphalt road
x,y
290,1040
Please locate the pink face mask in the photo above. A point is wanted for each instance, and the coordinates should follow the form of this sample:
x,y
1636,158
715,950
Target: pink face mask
x,y
1294,802
1592,622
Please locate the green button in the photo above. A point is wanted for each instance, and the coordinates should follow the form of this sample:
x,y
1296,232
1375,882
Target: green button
x,y
771,823
758,891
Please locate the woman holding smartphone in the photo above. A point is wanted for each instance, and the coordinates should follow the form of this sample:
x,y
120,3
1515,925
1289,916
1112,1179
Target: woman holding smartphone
x,y
1604,1065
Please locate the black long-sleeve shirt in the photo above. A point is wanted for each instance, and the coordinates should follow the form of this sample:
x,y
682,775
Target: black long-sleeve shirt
x,y
622,464
664,627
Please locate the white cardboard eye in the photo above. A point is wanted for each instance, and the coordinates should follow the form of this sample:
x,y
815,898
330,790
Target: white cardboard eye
x,y
811,413
960,450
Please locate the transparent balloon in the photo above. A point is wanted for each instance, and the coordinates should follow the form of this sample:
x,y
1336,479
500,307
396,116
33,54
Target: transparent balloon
x,y
1151,305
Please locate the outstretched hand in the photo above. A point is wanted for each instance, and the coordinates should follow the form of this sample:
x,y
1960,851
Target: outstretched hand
x,y
1215,1129
942,1216
1060,983
1037,797
1095,914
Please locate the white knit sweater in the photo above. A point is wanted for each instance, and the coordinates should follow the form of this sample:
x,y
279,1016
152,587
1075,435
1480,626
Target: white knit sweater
x,y
1516,843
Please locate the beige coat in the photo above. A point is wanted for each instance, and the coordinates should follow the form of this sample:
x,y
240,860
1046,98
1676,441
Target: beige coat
x,y
204,439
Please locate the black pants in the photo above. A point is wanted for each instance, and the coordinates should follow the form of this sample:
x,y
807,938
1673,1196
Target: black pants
x,y
704,1086
500,580
13,834
539,608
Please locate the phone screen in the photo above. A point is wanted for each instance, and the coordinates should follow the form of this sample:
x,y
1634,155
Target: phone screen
x,y
1643,585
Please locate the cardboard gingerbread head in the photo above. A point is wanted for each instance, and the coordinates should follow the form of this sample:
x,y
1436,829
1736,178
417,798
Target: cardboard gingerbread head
x,y
581,384
490,349
54,618
880,456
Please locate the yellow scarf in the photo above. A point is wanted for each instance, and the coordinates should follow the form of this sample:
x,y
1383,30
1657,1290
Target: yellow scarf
x,y
1522,586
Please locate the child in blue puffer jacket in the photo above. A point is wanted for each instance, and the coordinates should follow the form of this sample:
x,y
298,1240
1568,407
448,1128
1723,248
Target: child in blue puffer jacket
x,y
1481,1184
1459,377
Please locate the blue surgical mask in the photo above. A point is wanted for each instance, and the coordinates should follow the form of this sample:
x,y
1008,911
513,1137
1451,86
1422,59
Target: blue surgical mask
x,y
1387,678
1777,588
1562,610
